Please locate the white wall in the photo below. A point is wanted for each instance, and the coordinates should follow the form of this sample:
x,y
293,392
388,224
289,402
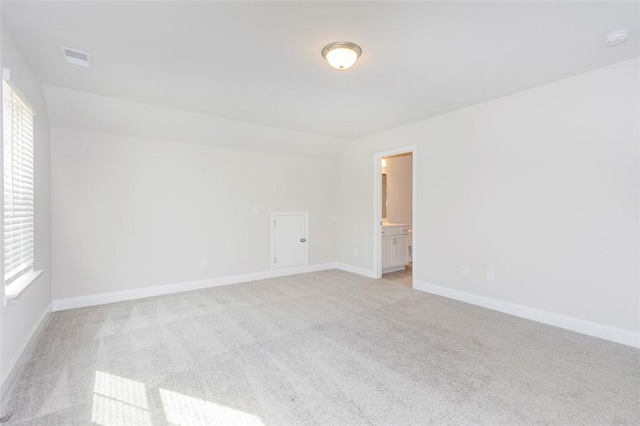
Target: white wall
x,y
399,176
131,213
21,317
86,111
541,186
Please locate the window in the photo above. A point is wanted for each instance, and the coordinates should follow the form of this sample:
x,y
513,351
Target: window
x,y
18,184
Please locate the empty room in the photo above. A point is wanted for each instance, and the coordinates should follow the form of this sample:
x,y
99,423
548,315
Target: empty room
x,y
320,212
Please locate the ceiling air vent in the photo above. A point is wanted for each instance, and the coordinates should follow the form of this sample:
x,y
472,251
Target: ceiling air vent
x,y
76,57
617,37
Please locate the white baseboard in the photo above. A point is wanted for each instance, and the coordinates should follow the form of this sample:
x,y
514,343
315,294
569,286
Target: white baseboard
x,y
16,362
140,293
355,269
625,337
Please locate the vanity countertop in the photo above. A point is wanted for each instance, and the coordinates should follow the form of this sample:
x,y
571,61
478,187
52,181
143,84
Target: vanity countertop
x,y
387,224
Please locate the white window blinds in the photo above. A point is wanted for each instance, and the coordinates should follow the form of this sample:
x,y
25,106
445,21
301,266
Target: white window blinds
x,y
18,184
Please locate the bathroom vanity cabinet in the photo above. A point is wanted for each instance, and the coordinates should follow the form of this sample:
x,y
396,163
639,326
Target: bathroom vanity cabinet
x,y
395,247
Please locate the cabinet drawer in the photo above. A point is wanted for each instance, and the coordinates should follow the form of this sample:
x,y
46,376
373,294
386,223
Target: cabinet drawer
x,y
395,230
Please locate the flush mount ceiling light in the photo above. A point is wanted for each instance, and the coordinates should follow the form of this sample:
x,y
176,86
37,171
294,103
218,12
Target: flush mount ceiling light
x,y
341,54
617,37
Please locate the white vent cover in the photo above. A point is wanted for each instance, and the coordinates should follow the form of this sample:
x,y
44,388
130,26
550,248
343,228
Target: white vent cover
x,y
76,57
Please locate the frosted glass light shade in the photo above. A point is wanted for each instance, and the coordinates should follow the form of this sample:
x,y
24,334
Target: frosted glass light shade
x,y
341,55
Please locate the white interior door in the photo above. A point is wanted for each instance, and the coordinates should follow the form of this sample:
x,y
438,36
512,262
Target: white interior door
x,y
289,240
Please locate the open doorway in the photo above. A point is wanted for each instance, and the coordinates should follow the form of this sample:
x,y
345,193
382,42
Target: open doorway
x,y
395,214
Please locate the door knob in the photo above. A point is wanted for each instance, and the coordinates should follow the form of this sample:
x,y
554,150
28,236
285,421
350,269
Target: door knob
x,y
302,240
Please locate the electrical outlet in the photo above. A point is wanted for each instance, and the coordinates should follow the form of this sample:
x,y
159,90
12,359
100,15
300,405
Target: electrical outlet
x,y
355,251
203,262
254,211
464,270
491,275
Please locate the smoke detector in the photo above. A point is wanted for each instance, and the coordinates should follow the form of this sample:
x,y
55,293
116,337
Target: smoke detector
x,y
617,37
76,57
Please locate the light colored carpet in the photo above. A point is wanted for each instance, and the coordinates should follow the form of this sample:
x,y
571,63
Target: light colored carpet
x,y
321,348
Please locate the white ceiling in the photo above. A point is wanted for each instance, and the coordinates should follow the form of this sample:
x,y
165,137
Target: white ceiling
x,y
260,61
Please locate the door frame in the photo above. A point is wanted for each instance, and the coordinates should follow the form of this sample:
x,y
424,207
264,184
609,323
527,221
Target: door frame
x,y
273,236
377,207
